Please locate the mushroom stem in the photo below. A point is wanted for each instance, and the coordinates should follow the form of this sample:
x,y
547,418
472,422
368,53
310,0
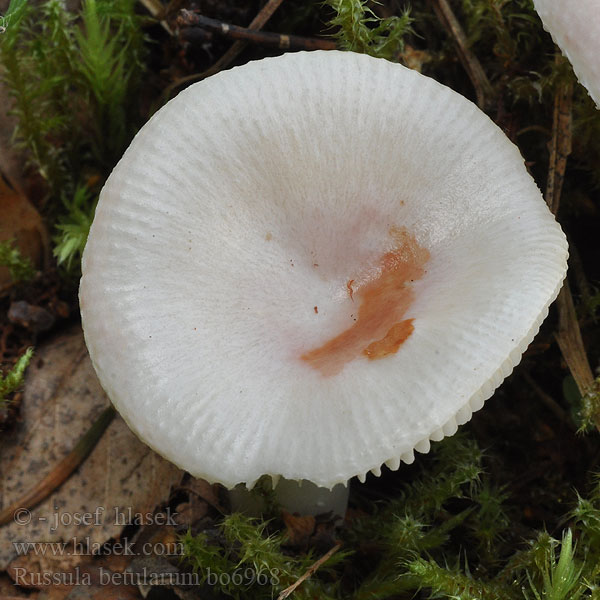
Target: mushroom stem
x,y
302,497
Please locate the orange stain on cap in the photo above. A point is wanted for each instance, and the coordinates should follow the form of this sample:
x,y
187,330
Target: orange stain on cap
x,y
379,329
390,344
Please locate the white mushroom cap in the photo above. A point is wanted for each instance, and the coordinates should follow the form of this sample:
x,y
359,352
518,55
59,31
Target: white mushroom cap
x,y
575,28
227,241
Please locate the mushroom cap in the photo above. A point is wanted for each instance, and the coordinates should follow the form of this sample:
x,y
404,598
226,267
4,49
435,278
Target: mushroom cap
x,y
575,28
265,213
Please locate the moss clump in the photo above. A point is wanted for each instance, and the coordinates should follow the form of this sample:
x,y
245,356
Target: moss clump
x,y
20,268
13,380
360,30
74,81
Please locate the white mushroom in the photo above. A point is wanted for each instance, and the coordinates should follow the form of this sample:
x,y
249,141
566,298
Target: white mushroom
x,y
575,28
312,265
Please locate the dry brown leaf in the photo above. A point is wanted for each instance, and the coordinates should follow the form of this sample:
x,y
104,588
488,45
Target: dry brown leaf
x,y
121,478
34,571
87,581
299,529
209,492
103,592
8,589
19,219
21,222
53,593
415,59
202,495
188,513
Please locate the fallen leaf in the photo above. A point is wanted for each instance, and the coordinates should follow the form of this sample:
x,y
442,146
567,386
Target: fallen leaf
x,y
22,223
299,529
189,513
35,570
53,593
209,492
104,592
156,571
9,590
120,479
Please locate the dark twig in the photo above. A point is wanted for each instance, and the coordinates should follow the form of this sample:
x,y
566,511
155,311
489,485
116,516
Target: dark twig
x,y
261,19
279,40
256,24
471,64
282,41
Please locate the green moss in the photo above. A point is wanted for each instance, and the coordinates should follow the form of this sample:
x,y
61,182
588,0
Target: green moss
x,y
13,380
74,80
242,559
73,227
19,267
447,534
359,29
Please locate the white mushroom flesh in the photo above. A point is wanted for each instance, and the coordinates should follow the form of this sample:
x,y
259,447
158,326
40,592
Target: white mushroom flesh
x,y
575,28
311,265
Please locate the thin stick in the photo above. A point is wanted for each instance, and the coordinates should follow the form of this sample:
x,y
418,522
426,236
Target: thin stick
x,y
471,64
290,590
568,335
259,21
157,10
561,141
571,346
63,469
279,40
261,18
570,341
